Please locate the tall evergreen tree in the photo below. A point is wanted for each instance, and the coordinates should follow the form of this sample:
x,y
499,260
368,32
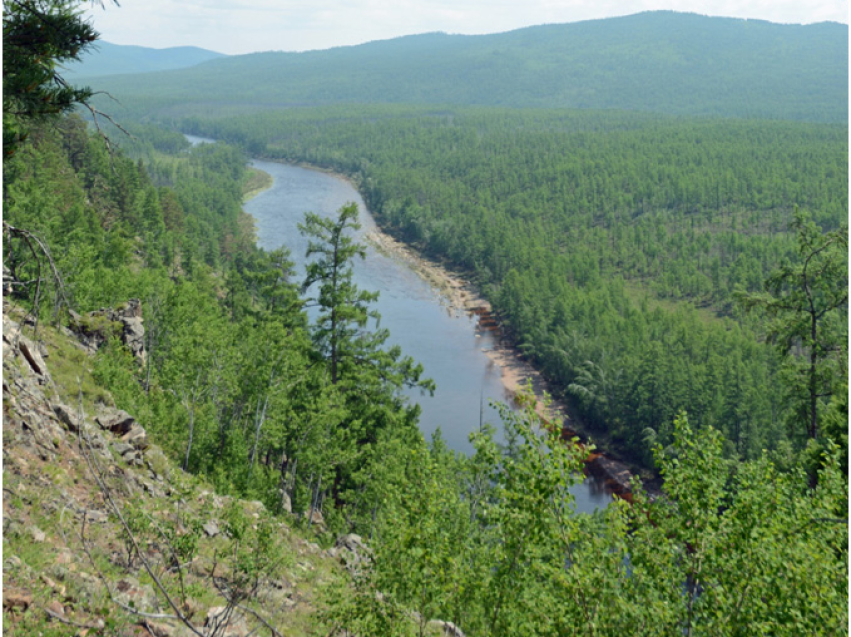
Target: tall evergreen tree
x,y
808,302
38,37
343,307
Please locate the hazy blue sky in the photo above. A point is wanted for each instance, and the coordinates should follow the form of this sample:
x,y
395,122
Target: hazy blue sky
x,y
244,26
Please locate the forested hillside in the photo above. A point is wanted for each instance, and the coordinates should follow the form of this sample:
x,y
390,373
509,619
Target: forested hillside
x,y
230,371
659,62
682,281
237,388
610,244
115,59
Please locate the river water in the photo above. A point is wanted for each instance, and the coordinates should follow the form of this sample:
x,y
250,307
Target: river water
x,y
447,342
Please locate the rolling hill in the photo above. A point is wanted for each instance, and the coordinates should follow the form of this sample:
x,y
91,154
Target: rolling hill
x,y
112,59
681,64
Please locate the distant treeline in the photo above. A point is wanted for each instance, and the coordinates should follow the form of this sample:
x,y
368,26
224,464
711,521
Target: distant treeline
x,y
609,243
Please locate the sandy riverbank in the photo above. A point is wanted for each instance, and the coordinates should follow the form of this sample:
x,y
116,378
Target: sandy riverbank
x,y
457,295
460,296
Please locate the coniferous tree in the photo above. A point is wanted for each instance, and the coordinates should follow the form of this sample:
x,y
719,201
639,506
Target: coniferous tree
x,y
343,307
808,301
38,37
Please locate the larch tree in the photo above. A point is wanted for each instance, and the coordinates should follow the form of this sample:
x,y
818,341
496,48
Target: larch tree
x,y
808,304
343,307
38,37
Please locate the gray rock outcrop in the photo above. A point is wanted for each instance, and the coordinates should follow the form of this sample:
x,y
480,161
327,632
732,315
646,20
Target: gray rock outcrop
x,y
125,322
352,552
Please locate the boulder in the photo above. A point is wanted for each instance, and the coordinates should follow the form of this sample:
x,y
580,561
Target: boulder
x,y
123,448
130,309
137,436
125,322
89,586
117,421
134,336
14,599
11,333
37,534
352,542
8,281
131,593
616,475
316,518
96,517
254,508
211,528
352,552
67,416
445,629
30,352
56,608
167,628
286,502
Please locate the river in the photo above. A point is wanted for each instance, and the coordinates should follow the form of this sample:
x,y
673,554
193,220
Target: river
x,y
449,343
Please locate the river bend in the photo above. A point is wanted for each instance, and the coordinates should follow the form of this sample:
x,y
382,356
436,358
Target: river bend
x,y
447,342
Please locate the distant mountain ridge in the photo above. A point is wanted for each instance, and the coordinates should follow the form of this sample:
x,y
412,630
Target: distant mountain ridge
x,y
662,61
114,59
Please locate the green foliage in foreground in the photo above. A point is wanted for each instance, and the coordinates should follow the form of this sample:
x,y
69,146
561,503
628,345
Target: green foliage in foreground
x,y
491,543
804,301
39,37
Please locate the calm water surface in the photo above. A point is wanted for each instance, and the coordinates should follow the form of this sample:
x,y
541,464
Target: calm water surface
x,y
448,343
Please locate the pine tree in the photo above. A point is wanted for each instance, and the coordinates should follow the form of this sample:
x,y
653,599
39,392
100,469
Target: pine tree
x,y
38,37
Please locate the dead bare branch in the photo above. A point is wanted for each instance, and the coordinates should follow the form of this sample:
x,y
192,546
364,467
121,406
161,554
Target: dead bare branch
x,y
69,622
30,238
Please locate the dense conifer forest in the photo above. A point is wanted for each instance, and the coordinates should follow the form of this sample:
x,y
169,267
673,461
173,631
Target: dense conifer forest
x,y
681,281
611,245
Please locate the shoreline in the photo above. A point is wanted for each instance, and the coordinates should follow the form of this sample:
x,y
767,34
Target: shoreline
x,y
458,294
266,182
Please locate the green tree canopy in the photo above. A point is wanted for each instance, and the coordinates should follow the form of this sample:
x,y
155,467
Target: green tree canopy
x,y
343,305
38,37
808,302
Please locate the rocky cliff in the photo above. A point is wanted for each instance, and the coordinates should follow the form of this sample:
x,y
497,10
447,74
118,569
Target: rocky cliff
x,y
102,534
